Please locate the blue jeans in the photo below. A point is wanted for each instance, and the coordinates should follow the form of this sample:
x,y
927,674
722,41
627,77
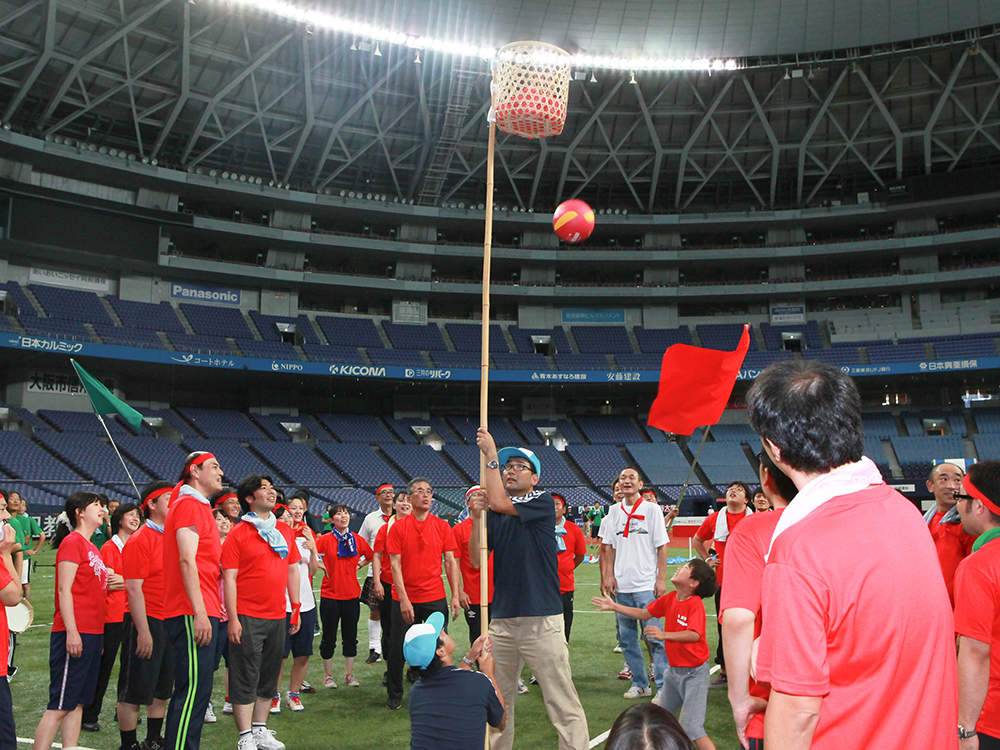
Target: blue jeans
x,y
629,631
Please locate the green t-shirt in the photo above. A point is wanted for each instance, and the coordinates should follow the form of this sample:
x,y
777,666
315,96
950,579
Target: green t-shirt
x,y
102,535
26,526
19,529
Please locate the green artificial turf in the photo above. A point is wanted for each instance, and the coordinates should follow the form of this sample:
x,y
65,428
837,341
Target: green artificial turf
x,y
356,718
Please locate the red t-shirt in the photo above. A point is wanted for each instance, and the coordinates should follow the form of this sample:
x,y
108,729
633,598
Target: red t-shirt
x,y
117,604
747,548
470,576
5,579
262,576
421,545
341,578
706,532
186,512
953,545
977,615
143,560
871,633
678,617
567,564
385,570
90,585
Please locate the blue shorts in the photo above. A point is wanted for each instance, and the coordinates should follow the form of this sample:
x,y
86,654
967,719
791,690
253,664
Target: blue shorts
x,y
301,644
73,681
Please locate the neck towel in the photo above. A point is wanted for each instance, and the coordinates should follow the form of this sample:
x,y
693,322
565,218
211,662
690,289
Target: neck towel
x,y
268,530
950,516
986,536
722,524
845,480
634,514
346,546
154,526
560,534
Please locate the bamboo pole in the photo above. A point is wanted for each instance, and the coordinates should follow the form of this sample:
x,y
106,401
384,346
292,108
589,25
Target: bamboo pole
x,y
484,379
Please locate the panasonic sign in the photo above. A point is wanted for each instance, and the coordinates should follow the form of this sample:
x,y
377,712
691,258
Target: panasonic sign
x,y
205,293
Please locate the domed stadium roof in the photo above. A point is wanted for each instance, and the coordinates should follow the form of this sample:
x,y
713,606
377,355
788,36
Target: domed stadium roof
x,y
825,98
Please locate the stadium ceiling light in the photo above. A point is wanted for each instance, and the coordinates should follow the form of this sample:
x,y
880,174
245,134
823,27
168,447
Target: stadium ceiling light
x,y
314,19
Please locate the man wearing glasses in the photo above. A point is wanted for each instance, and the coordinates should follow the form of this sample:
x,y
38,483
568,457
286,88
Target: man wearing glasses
x,y
527,612
952,543
416,545
977,610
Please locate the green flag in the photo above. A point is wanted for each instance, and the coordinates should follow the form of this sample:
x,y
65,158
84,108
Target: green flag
x,y
104,401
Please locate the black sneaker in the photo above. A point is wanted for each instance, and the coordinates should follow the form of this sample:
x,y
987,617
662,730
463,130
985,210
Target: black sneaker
x,y
394,704
307,688
133,746
153,743
374,657
385,679
90,726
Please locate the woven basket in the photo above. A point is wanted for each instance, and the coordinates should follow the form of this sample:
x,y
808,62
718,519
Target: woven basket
x,y
531,89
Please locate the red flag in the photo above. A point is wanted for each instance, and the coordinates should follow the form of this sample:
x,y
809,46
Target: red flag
x,y
695,385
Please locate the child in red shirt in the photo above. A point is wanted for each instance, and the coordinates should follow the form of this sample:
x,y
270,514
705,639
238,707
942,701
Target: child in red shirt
x,y
685,679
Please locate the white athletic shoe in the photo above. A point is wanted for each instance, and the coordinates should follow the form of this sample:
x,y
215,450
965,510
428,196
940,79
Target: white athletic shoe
x,y
521,687
266,740
210,717
246,742
637,692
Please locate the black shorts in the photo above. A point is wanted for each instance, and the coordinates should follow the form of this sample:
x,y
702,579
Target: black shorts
x,y
140,681
368,593
73,680
255,662
301,644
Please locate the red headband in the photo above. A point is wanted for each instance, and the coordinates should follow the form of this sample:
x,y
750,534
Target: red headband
x,y
223,498
197,461
971,489
153,496
383,487
473,488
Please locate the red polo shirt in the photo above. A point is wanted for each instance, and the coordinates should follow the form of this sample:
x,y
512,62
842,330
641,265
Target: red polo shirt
x,y
421,544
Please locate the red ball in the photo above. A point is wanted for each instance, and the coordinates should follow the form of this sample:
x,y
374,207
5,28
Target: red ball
x,y
573,221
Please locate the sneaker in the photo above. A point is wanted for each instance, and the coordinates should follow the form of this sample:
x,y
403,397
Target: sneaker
x,y
276,704
521,687
153,743
246,742
412,674
637,692
227,708
625,674
307,688
394,704
374,657
133,746
90,726
328,682
294,702
266,740
350,681
210,717
533,680
616,650
719,681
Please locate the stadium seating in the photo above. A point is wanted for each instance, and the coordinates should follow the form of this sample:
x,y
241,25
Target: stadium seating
x,y
219,423
660,463
599,463
639,362
657,340
809,331
356,428
524,344
614,430
271,425
360,464
397,358
91,457
71,304
146,315
185,342
409,336
722,336
423,460
726,462
339,354
20,457
349,332
457,360
467,427
21,300
121,336
529,361
267,326
467,337
301,464
268,349
917,454
578,362
602,339
901,352
216,321
54,328
735,433
158,457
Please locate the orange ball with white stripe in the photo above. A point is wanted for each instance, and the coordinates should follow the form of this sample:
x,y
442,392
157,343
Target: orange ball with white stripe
x,y
573,221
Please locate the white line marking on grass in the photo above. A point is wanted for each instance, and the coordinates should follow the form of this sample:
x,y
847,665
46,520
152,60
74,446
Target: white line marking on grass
x,y
599,739
28,741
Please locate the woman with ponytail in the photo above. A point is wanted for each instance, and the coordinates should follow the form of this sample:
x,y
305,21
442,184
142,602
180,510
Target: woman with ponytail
x,y
77,638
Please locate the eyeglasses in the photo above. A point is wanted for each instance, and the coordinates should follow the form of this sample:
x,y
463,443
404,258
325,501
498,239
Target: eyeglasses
x,y
518,467
960,496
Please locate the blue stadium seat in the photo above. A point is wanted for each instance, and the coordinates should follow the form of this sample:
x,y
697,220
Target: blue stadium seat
x,y
345,331
657,340
208,320
147,315
602,339
467,337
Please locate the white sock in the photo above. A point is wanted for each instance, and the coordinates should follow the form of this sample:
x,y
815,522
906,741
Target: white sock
x,y
375,635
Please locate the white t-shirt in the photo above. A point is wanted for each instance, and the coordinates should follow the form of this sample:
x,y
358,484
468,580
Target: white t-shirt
x,y
306,597
635,556
369,530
